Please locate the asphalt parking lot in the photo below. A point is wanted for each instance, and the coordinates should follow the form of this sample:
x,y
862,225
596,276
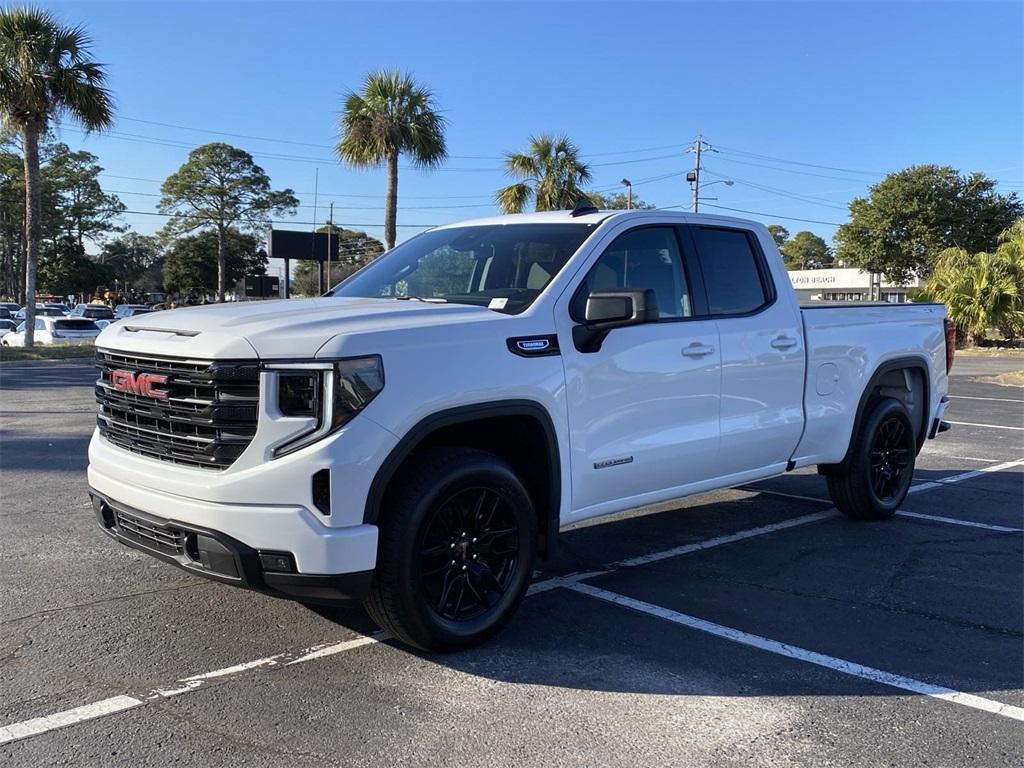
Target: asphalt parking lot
x,y
752,626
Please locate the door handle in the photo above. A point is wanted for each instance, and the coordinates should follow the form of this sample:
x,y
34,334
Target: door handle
x,y
783,342
698,350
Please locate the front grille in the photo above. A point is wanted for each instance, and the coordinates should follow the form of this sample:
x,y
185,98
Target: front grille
x,y
168,540
206,420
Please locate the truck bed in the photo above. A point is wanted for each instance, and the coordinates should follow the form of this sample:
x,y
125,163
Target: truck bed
x,y
846,343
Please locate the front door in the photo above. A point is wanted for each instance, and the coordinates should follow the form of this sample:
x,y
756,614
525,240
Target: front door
x,y
643,409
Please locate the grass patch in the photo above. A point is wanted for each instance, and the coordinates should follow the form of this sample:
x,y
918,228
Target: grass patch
x,y
1011,379
48,352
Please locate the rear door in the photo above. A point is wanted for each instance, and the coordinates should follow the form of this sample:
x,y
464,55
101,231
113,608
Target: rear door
x,y
643,409
762,346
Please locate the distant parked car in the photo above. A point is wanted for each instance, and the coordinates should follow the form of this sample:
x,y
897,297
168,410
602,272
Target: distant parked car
x,y
55,330
93,311
7,326
122,311
41,311
6,314
10,306
57,305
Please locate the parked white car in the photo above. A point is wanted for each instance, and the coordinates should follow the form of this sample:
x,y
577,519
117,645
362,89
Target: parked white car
x,y
418,436
7,326
55,330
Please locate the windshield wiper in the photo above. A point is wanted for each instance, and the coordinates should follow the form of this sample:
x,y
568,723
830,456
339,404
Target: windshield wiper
x,y
430,300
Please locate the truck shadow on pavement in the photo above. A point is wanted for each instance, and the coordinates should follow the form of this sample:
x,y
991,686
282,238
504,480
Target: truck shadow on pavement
x,y
938,603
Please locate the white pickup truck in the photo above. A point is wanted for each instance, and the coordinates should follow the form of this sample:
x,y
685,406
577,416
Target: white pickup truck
x,y
417,437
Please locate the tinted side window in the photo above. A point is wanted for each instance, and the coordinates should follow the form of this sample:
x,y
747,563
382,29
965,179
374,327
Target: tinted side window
x,y
638,260
732,271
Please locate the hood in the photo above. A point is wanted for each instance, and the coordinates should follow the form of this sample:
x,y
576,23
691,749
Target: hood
x,y
288,328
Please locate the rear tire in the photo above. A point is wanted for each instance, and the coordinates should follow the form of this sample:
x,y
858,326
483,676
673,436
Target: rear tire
x,y
875,478
458,537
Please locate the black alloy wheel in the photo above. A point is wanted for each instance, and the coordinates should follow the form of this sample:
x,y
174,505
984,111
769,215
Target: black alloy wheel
x,y
872,482
469,553
890,458
457,542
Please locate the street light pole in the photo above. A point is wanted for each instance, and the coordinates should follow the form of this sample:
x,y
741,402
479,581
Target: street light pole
x,y
629,193
330,227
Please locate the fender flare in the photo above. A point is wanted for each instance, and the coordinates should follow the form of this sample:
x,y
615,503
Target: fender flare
x,y
460,415
895,364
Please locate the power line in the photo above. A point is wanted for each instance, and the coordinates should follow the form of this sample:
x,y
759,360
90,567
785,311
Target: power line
x,y
727,159
609,188
772,215
332,146
755,155
782,192
141,138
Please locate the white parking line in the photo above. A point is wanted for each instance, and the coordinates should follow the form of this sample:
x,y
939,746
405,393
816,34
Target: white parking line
x,y
986,426
952,479
718,541
993,399
783,494
955,521
801,654
41,725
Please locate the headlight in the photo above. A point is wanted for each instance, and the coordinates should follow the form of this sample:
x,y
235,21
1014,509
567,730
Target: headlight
x,y
298,393
356,382
328,394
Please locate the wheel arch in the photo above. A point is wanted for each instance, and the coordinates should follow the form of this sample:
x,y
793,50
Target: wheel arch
x,y
881,384
488,426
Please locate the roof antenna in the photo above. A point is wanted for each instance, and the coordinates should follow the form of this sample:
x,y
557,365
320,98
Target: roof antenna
x,y
583,206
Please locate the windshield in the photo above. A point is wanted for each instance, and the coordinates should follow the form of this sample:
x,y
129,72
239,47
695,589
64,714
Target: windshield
x,y
503,266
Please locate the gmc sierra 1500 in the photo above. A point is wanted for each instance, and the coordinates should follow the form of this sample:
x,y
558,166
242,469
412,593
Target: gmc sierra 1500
x,y
416,437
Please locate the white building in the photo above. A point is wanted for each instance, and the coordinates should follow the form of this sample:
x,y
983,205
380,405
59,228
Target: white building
x,y
846,285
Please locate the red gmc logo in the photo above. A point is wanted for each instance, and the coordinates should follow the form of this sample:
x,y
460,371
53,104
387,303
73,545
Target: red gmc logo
x,y
138,383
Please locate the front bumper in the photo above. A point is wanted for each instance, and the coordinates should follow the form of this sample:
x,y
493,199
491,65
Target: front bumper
x,y
215,555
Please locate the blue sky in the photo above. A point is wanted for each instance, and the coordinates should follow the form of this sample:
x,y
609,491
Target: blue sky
x,y
861,88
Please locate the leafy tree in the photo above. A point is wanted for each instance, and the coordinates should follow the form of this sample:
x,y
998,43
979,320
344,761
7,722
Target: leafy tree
x,y
355,249
392,115
550,173
65,269
618,201
806,251
80,207
779,234
129,256
12,217
74,206
46,72
913,215
220,188
189,264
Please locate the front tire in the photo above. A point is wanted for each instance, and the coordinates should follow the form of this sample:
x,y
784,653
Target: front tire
x,y
458,537
875,478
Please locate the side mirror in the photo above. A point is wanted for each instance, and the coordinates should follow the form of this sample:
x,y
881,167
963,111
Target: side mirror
x,y
607,310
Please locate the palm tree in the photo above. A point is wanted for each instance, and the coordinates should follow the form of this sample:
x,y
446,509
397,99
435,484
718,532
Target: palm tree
x,y
46,72
980,293
550,172
392,115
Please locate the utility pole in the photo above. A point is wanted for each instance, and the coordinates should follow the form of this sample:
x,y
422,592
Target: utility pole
x,y
693,176
312,244
330,230
696,173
